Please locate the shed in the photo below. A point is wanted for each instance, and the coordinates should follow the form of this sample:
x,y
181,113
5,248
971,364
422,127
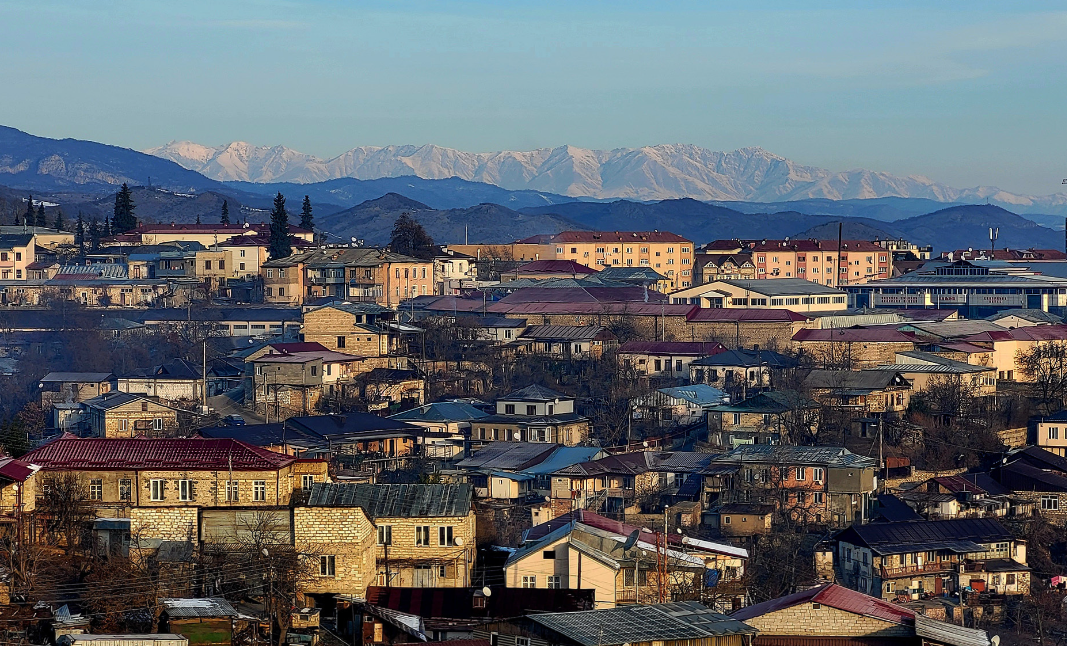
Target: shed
x,y
204,622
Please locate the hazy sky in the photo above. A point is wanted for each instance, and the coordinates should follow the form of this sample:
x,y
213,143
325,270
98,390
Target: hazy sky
x,y
967,93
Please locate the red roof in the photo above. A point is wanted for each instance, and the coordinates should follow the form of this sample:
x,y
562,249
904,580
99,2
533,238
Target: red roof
x,y
829,246
194,453
235,229
722,314
15,470
692,348
592,309
305,346
1028,333
564,267
958,484
856,335
584,294
835,596
608,236
969,348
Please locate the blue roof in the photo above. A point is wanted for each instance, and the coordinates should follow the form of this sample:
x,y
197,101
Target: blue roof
x,y
441,412
700,394
511,475
564,456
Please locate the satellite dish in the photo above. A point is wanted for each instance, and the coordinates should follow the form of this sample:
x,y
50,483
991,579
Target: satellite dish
x,y
487,592
678,529
644,444
631,540
548,499
459,541
995,640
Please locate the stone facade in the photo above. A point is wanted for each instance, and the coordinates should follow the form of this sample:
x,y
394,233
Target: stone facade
x,y
346,535
407,563
806,620
166,523
138,417
328,326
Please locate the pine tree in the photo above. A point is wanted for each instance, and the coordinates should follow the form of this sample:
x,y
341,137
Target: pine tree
x,y
42,219
307,221
79,235
124,219
225,219
279,230
60,225
30,218
94,234
198,218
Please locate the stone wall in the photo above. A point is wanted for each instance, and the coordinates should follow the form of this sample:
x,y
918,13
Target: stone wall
x,y
167,523
344,533
824,621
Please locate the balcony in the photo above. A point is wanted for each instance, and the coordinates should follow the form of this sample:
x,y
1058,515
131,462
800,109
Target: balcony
x,y
326,280
925,568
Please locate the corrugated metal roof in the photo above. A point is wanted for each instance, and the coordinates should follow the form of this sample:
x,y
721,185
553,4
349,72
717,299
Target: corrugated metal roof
x,y
946,633
835,596
855,335
507,455
212,607
533,393
715,314
16,470
395,500
622,625
961,534
68,452
77,377
747,359
681,348
564,332
834,456
857,380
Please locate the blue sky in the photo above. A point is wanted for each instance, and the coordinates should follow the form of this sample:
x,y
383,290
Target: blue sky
x,y
967,93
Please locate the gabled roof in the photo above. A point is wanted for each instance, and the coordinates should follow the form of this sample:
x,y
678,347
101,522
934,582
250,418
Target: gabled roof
x,y
16,470
77,377
881,334
564,332
194,453
212,607
773,402
114,399
696,394
780,286
1032,315
555,267
961,535
1028,333
395,500
641,462
755,315
830,456
605,236
855,380
747,359
515,456
835,596
441,412
179,369
353,426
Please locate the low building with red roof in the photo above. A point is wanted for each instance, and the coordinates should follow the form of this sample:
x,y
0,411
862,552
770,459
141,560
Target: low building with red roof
x,y
542,269
853,348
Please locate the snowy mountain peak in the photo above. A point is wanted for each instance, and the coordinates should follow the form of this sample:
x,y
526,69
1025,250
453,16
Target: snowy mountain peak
x,y
663,171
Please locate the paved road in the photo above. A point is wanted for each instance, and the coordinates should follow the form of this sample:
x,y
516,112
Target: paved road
x,y
229,403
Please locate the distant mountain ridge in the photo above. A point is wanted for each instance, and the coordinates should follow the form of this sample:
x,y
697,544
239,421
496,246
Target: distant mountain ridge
x,y
666,171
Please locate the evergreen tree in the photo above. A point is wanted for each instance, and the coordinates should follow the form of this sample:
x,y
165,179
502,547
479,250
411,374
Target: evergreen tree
x,y
279,230
14,438
225,219
29,218
307,221
124,219
60,225
42,219
79,235
410,239
198,218
94,234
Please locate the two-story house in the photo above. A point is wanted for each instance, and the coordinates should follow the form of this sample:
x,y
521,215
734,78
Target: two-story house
x,y
862,393
117,414
893,560
532,414
356,328
772,417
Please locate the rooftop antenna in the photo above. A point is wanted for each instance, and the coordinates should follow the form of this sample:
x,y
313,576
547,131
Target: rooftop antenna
x,y
994,233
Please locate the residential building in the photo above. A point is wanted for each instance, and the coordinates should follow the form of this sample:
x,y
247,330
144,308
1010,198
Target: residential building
x,y
19,488
664,358
362,440
424,534
678,406
1024,317
853,348
206,234
1050,433
739,367
453,271
861,393
567,341
364,329
923,369
161,484
771,417
17,253
544,269
830,613
794,294
669,254
170,382
59,387
532,414
117,414
860,261
710,266
1037,476
447,426
521,471
683,623
817,485
294,383
1009,347
770,329
889,560
347,273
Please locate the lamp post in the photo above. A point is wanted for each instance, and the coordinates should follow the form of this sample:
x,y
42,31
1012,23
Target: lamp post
x,y
269,575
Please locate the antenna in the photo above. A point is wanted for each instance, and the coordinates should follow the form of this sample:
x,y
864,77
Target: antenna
x,y
994,233
631,540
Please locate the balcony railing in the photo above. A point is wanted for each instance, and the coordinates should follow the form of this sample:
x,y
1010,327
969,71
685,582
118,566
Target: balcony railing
x,y
925,568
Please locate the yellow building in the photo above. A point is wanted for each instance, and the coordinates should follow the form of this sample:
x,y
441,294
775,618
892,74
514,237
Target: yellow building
x,y
118,414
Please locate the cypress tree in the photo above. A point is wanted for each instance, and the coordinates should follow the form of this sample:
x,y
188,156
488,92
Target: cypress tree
x,y
198,218
60,225
123,219
307,221
79,235
225,219
29,218
279,229
94,234
42,220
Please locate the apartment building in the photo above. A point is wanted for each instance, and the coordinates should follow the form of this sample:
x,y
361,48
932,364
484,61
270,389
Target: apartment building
x,y
669,254
353,274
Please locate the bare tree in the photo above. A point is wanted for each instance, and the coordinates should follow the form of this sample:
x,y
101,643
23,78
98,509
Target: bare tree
x,y
1043,365
65,508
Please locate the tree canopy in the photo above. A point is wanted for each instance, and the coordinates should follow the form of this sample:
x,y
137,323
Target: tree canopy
x,y
123,219
410,239
307,220
225,218
279,230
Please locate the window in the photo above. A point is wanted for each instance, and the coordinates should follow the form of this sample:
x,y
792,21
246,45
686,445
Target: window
x,y
554,582
156,488
144,407
96,489
124,424
509,409
233,491
281,272
726,520
522,641
314,371
306,481
817,474
819,497
270,273
1050,503
185,490
444,535
548,555
157,424
422,535
801,473
1054,433
385,534
529,581
737,419
259,490
531,410
340,342
327,565
125,489
242,265
207,265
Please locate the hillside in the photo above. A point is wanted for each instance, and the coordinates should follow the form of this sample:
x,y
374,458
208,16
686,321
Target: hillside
x,y
42,164
372,221
856,229
960,227
450,193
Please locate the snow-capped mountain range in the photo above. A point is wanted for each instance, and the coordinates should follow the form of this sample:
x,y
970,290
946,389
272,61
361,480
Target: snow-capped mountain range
x,y
649,173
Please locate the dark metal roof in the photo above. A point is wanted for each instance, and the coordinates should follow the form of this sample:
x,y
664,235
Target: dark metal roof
x,y
685,348
961,535
746,359
183,608
865,380
533,393
628,624
830,456
895,510
564,332
507,455
395,500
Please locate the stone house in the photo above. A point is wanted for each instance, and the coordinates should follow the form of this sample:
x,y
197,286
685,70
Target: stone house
x,y
18,488
853,348
771,417
163,484
739,369
1038,476
831,613
410,535
861,392
892,560
532,414
665,358
1050,433
63,387
293,383
116,414
174,381
567,341
356,328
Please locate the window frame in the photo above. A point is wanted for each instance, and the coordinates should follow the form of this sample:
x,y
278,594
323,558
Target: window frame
x,y
328,565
